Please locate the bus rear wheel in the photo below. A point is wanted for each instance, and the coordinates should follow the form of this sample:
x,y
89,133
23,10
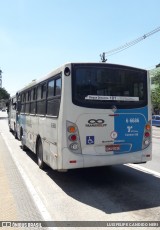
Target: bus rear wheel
x,y
41,164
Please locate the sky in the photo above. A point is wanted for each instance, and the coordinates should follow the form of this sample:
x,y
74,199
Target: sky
x,y
38,36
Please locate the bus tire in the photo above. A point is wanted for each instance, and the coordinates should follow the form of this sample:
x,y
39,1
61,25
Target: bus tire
x,y
39,152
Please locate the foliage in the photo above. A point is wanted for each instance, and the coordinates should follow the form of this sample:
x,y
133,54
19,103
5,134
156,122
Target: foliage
x,y
156,78
156,91
4,94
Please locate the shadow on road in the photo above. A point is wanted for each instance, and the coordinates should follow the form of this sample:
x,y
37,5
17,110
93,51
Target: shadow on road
x,y
112,189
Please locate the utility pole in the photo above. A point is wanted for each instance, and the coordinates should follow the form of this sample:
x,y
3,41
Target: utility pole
x,y
103,57
128,45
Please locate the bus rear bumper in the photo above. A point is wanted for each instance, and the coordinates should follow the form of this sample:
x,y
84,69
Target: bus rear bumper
x,y
72,160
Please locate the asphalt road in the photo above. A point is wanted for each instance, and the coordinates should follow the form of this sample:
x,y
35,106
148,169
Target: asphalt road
x,y
116,193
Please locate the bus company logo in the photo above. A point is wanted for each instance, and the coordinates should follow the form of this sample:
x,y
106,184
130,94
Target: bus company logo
x,y
96,123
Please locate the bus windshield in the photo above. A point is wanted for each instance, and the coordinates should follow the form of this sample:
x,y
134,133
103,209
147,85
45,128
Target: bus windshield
x,y
107,86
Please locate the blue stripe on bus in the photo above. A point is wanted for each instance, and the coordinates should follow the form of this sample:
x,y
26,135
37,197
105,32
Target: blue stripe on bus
x,y
129,126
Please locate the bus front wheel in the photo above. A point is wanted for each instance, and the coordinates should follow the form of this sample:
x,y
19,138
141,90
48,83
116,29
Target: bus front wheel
x,y
40,154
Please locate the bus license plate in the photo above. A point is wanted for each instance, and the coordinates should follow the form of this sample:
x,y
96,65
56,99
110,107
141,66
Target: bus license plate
x,y
112,148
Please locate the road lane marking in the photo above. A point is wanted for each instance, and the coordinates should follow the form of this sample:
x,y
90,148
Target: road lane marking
x,y
154,136
143,169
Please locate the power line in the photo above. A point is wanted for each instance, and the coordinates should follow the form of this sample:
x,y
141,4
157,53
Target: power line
x,y
127,45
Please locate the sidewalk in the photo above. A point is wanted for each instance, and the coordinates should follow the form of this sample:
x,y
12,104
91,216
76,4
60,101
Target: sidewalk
x,y
8,207
16,203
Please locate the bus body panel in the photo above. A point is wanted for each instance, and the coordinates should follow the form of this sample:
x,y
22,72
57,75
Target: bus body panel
x,y
72,160
48,131
35,127
123,128
102,130
110,134
130,126
95,132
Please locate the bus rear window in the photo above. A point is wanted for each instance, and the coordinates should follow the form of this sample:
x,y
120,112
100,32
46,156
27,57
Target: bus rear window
x,y
103,87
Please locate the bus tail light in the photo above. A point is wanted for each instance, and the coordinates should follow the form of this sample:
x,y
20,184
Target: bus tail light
x,y
147,135
73,138
73,146
148,127
71,129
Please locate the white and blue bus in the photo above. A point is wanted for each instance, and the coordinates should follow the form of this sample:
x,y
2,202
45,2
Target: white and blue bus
x,y
86,115
12,114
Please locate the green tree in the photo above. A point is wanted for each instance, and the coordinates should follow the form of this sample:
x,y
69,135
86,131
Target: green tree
x,y
156,91
4,94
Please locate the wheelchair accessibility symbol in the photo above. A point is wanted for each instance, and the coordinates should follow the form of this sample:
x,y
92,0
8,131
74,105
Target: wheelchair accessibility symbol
x,y
89,140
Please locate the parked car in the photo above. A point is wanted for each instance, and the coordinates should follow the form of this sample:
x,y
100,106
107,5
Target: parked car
x,y
156,120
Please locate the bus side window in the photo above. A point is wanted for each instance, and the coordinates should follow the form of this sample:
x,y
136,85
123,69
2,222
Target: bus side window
x,y
44,91
51,88
33,101
39,92
23,99
58,87
28,98
41,99
53,100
